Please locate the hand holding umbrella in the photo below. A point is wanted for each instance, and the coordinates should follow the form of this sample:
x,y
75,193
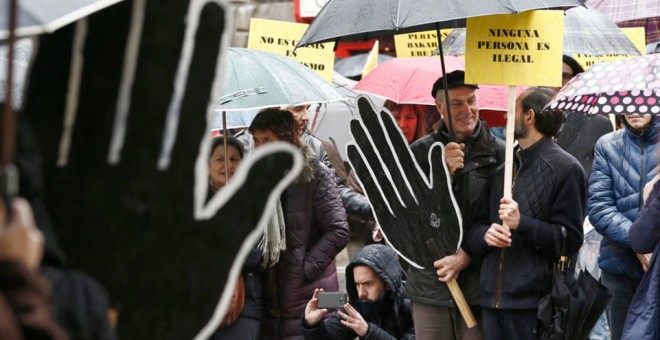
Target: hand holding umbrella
x,y
417,213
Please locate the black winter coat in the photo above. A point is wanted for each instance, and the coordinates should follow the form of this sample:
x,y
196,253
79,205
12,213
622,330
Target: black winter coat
x,y
471,185
316,231
550,189
579,134
643,319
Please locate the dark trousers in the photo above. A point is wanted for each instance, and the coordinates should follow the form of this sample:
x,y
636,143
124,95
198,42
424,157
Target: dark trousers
x,y
444,323
624,289
509,324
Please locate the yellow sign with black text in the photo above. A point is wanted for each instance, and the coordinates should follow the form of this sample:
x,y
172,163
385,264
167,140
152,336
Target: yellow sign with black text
x,y
418,44
281,37
636,34
515,49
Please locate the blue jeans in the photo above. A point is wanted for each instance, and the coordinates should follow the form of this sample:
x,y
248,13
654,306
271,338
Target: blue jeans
x,y
624,289
601,330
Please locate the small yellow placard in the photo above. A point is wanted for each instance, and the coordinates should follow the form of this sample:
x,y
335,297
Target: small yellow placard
x,y
418,44
372,60
515,49
636,34
281,37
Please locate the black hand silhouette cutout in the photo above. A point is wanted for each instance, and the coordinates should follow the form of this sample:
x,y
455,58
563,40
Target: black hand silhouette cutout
x,y
417,212
130,225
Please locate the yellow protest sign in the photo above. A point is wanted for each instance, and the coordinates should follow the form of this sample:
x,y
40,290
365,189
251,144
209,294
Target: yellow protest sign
x,y
281,37
372,60
418,44
515,49
636,34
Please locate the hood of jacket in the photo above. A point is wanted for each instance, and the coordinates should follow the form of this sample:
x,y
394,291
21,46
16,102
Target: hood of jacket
x,y
385,262
650,132
310,162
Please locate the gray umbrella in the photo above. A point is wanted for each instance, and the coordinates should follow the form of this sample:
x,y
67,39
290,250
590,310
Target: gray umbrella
x,y
368,19
586,31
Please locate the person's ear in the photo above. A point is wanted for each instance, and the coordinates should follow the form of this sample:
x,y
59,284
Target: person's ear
x,y
438,105
530,116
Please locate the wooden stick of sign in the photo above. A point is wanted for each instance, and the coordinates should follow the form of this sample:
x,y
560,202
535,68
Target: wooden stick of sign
x,y
462,304
508,157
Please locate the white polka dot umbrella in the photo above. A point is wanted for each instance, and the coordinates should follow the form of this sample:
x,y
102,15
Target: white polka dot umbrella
x,y
620,87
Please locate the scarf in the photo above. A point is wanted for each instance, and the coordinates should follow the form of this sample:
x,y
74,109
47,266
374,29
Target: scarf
x,y
274,239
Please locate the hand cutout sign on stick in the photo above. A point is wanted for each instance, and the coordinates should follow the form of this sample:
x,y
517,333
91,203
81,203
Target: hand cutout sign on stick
x,y
417,212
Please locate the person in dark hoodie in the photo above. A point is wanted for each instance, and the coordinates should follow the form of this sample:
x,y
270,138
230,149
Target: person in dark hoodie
x,y
376,308
624,161
523,235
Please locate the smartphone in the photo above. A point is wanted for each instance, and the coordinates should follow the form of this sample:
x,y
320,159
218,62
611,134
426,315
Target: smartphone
x,y
332,299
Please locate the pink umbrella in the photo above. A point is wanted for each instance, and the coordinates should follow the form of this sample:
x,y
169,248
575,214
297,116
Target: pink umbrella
x,y
410,80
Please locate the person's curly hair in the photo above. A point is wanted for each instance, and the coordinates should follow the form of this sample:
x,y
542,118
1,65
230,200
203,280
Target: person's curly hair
x,y
280,122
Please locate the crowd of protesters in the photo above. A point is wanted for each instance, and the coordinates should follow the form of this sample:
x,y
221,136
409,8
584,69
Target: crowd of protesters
x,y
569,170
510,244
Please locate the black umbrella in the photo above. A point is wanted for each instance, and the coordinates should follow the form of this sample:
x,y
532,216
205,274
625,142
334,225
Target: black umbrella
x,y
367,19
573,307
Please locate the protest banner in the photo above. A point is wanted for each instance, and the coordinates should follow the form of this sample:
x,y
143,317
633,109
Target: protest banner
x,y
281,37
418,44
510,49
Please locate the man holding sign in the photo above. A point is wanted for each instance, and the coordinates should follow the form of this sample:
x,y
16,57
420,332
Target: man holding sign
x,y
523,236
472,160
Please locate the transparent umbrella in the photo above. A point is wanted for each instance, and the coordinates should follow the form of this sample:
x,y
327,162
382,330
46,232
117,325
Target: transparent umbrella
x,y
45,16
257,79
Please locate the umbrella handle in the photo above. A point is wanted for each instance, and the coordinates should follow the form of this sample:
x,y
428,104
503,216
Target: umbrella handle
x,y
450,124
8,185
462,304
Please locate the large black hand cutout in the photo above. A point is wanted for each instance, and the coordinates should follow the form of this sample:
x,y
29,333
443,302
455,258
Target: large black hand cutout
x,y
417,212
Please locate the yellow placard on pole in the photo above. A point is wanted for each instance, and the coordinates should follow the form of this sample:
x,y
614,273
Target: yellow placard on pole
x,y
372,60
418,44
636,34
281,37
515,49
